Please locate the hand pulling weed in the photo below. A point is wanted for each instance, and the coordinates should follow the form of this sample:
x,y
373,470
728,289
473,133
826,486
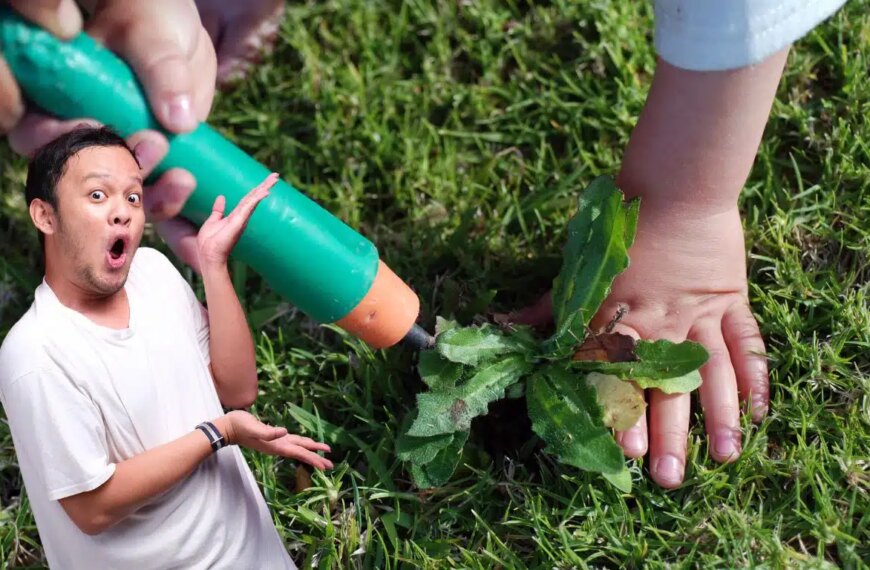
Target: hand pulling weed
x,y
576,382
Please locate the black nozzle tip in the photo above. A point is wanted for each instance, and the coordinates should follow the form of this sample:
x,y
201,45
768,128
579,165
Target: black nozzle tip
x,y
418,339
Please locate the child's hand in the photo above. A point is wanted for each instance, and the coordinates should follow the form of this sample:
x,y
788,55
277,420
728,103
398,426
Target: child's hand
x,y
241,428
687,279
219,234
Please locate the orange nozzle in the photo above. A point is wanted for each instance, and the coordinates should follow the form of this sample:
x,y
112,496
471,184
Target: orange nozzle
x,y
387,312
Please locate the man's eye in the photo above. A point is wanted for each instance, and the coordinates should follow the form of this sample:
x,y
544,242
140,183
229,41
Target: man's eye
x,y
98,195
134,198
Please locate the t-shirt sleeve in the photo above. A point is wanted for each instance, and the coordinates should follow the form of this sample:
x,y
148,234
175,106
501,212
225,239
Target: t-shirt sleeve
x,y
712,35
59,431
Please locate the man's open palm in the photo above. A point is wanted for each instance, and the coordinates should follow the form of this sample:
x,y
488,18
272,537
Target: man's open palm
x,y
242,428
219,234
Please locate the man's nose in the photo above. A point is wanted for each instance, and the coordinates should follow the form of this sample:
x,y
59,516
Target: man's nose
x,y
121,214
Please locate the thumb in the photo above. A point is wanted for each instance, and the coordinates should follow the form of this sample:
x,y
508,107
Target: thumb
x,y
151,43
266,432
60,17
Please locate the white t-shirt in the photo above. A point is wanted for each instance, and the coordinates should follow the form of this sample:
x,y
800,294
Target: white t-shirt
x,y
710,35
81,397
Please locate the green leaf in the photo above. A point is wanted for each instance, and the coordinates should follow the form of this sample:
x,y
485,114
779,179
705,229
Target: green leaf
x,y
566,416
621,480
437,372
438,471
473,346
679,385
453,409
659,360
443,325
420,450
596,252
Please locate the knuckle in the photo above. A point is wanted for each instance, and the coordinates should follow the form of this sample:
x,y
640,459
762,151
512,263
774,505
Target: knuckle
x,y
718,356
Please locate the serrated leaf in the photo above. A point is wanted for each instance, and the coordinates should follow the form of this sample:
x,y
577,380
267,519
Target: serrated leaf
x,y
453,410
659,360
679,385
437,372
621,403
476,345
596,252
621,480
565,414
443,325
420,450
438,471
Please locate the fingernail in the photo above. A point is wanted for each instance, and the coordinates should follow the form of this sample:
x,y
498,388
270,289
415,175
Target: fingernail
x,y
724,444
69,19
180,114
147,153
632,442
669,470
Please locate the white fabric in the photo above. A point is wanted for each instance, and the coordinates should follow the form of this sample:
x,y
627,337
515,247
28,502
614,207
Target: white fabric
x,y
80,398
708,35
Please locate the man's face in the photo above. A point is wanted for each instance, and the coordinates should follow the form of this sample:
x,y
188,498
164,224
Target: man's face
x,y
99,218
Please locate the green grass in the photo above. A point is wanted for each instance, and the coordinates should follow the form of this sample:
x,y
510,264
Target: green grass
x,y
456,136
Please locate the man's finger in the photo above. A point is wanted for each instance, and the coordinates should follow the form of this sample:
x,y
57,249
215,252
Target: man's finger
x,y
747,351
718,392
60,17
217,210
11,105
634,440
36,130
255,194
243,41
243,211
308,443
308,457
165,199
158,54
149,147
180,236
669,431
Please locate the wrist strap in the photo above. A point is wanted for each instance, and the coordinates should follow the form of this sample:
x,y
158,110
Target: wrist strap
x,y
215,438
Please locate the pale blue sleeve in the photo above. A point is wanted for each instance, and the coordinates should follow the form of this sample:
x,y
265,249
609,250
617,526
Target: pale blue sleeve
x,y
713,35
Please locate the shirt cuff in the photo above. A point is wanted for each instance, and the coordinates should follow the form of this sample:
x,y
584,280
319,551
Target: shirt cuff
x,y
715,35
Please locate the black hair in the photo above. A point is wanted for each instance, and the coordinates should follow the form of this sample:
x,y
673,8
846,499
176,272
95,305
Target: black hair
x,y
50,162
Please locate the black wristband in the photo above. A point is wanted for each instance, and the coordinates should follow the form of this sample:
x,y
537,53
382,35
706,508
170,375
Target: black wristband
x,y
215,438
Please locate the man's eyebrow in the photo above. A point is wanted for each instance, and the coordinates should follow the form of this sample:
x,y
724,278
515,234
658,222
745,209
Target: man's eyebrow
x,y
96,175
136,178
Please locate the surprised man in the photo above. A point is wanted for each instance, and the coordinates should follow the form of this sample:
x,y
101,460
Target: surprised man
x,y
115,380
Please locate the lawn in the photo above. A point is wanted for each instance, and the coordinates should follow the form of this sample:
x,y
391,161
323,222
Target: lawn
x,y
456,136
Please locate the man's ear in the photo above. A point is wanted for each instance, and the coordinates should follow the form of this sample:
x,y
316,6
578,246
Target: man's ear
x,y
43,215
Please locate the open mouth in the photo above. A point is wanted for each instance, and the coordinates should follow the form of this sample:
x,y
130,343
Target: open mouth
x,y
117,253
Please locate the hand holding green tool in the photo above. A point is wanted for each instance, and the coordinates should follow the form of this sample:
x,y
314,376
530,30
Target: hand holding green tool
x,y
314,260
